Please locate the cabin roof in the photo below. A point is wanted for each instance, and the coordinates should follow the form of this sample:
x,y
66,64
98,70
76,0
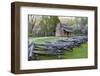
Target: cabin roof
x,y
67,28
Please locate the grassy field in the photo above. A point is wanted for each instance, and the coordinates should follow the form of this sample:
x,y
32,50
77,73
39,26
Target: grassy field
x,y
42,40
79,52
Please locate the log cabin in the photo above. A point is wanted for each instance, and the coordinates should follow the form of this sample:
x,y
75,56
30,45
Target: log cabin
x,y
64,30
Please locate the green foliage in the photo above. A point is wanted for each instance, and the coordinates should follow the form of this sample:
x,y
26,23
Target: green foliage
x,y
48,25
84,21
71,22
78,20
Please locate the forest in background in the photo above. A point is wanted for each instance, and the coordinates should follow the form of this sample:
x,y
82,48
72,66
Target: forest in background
x,y
40,26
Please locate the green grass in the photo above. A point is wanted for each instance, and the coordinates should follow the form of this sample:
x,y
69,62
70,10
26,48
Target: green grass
x,y
42,40
79,52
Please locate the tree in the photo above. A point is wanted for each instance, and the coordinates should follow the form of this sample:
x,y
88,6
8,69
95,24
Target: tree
x,y
48,25
81,25
31,22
